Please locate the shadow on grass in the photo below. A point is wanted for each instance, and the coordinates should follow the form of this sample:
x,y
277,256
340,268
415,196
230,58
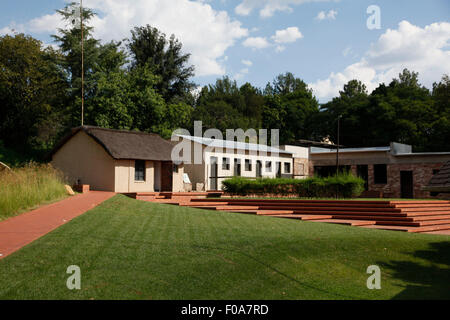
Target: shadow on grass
x,y
427,280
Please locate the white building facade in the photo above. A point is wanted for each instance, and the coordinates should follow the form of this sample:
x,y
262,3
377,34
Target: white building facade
x,y
223,159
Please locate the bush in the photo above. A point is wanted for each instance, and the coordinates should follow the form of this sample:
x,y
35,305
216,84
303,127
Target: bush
x,y
28,186
345,185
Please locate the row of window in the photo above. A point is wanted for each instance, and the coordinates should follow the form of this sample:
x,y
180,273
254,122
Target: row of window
x,y
248,165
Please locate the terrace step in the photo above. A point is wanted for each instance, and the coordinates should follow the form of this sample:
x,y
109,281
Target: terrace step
x,y
410,229
227,208
203,204
425,205
415,223
390,218
322,208
300,217
343,213
264,212
435,209
347,222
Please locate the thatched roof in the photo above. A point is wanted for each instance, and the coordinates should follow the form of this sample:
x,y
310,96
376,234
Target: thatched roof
x,y
123,144
440,182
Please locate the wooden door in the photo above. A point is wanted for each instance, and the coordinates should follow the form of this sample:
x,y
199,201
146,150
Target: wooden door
x,y
166,176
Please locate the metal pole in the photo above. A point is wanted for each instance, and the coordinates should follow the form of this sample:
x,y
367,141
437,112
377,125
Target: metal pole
x,y
82,63
338,142
337,151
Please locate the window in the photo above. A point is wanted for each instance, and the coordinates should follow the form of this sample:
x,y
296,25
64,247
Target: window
x,y
139,170
237,167
380,173
287,167
225,163
268,166
248,165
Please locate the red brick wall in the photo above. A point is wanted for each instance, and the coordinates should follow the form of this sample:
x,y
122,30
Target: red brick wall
x,y
422,173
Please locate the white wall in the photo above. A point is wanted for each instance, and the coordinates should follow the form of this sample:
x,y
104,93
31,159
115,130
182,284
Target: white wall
x,y
283,158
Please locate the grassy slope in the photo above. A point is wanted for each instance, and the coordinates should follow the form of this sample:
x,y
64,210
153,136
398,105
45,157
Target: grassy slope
x,y
129,249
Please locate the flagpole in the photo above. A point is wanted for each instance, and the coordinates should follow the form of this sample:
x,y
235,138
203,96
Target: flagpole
x,y
82,63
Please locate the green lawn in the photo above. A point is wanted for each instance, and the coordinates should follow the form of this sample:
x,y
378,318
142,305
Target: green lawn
x,y
128,249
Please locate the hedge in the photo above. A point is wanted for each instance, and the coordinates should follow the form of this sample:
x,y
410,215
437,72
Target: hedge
x,y
345,185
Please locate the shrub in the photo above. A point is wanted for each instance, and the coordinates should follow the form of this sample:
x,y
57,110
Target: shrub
x,y
345,185
28,186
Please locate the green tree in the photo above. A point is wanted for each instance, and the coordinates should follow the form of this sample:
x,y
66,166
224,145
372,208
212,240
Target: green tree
x,y
290,106
150,47
224,105
31,91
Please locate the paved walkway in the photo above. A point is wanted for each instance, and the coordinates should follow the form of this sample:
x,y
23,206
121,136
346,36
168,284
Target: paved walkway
x,y
23,229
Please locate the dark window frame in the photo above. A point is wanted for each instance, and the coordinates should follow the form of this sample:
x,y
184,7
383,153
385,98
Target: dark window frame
x,y
139,170
268,166
380,175
226,163
248,165
288,165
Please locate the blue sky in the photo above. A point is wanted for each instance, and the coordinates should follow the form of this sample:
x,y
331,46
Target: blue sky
x,y
326,43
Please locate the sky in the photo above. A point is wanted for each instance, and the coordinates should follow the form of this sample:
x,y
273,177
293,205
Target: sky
x,y
326,43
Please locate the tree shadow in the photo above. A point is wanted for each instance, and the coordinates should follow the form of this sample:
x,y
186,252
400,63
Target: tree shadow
x,y
429,280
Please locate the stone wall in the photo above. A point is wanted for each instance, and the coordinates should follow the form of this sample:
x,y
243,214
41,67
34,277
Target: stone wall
x,y
422,173
301,167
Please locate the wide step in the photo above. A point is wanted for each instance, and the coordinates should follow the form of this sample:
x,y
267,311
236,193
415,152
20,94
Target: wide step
x,y
347,222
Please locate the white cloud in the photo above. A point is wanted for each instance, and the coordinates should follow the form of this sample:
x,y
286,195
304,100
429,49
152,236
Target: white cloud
x,y
46,23
269,7
248,63
256,43
330,15
12,29
424,50
287,35
349,52
280,49
203,31
241,74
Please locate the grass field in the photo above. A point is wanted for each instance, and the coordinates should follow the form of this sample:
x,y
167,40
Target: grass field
x,y
128,249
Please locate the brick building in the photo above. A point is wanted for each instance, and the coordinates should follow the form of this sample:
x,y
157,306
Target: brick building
x,y
393,171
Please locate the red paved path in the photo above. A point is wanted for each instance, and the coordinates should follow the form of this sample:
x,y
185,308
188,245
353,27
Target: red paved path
x,y
23,229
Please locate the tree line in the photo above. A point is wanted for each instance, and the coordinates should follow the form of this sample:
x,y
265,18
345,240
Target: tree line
x,y
144,83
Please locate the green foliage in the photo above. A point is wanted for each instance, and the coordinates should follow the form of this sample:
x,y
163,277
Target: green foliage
x,y
290,105
404,111
345,185
224,105
31,88
28,186
150,47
